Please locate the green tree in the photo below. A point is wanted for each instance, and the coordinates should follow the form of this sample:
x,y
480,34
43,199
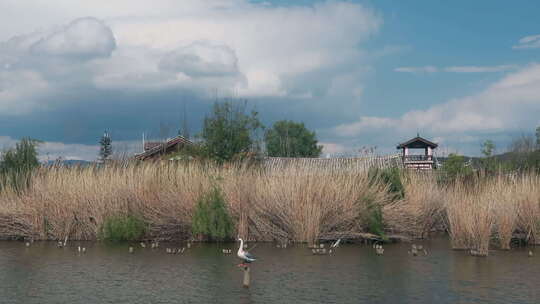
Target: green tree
x,y
105,149
487,148
291,139
455,166
489,164
229,131
18,163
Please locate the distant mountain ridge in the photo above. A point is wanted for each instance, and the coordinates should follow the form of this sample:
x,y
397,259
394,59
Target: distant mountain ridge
x,y
70,162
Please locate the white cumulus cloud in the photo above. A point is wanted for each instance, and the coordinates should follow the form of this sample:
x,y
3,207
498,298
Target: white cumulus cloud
x,y
83,38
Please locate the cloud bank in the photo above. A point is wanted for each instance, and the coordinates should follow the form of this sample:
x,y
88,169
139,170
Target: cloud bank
x,y
232,47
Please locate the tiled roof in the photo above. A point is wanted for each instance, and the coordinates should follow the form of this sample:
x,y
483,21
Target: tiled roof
x,y
417,141
156,149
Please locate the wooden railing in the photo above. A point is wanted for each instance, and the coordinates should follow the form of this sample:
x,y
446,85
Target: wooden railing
x,y
413,158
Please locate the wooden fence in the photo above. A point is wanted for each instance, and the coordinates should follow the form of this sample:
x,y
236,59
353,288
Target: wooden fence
x,y
334,164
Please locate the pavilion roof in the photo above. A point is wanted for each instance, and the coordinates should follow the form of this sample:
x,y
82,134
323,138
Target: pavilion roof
x,y
416,143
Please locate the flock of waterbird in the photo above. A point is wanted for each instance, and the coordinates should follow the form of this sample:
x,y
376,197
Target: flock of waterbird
x,y
321,250
247,258
155,245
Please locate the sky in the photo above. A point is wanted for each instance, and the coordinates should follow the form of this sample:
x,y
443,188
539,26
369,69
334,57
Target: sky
x,y
359,73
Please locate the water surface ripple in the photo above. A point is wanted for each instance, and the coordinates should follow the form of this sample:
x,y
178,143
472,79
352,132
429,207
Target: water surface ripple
x,y
45,274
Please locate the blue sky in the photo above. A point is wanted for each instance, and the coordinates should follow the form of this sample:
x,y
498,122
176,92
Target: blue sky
x,y
445,34
360,73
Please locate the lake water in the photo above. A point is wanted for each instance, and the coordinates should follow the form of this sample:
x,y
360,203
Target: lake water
x,y
45,274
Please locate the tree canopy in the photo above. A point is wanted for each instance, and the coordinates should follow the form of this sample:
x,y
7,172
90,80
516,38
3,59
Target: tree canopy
x,y
291,139
228,131
105,149
488,147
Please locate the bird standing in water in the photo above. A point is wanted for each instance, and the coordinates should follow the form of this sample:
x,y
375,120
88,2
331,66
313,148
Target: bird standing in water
x,y
245,256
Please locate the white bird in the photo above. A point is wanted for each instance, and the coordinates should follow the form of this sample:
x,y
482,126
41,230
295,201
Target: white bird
x,y
379,250
414,250
336,244
244,255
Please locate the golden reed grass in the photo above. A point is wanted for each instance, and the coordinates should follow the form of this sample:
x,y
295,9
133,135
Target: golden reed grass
x,y
288,204
476,213
493,209
291,204
421,210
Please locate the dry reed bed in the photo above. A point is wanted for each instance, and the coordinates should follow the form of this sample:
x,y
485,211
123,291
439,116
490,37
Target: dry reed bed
x,y
477,214
288,204
421,211
295,204
492,210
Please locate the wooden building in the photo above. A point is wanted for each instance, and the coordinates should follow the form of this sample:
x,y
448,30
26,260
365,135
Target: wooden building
x,y
413,160
154,150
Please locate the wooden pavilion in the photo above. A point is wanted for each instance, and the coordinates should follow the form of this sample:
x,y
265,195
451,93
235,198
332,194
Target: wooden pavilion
x,y
418,161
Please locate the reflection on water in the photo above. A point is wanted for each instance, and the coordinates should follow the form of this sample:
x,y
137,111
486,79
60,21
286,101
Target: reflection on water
x,y
43,273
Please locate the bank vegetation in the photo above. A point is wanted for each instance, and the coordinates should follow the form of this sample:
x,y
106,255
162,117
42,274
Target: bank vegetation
x,y
162,199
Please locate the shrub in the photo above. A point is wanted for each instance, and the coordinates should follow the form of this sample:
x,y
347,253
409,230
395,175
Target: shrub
x,y
18,163
374,218
392,178
525,161
455,166
211,218
120,228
